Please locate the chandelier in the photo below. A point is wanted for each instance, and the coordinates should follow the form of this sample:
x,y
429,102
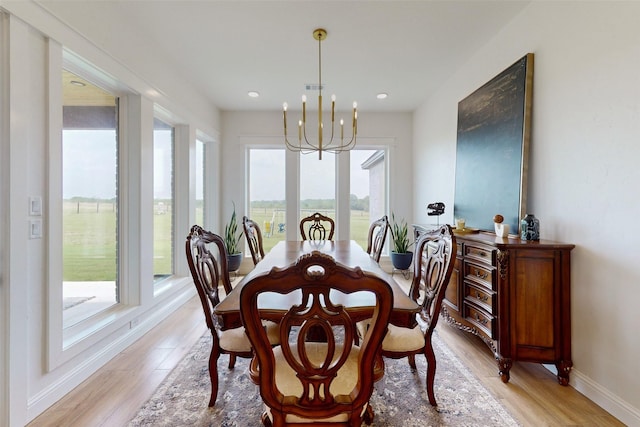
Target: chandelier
x,y
333,145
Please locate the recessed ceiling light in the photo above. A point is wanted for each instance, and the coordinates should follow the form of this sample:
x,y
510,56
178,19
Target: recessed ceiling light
x,y
382,95
77,83
253,94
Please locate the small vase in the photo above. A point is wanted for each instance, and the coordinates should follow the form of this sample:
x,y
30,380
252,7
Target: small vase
x,y
530,228
401,261
234,261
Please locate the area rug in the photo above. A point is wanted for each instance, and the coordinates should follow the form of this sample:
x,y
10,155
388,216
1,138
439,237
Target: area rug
x,y
399,399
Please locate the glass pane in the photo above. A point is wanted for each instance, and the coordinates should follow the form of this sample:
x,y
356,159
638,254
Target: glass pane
x,y
318,185
200,183
368,192
90,202
267,194
162,202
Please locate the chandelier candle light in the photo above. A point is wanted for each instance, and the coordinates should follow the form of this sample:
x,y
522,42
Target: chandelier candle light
x,y
332,146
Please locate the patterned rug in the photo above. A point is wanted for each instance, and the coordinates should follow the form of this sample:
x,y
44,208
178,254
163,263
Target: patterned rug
x,y
399,399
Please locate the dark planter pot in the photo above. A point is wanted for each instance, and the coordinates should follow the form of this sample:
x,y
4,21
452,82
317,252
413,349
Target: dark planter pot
x,y
401,261
234,261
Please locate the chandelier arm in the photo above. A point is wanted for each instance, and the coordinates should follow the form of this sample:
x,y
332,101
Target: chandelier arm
x,y
343,147
304,138
291,146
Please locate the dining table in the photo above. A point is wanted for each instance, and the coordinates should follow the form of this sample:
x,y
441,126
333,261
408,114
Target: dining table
x,y
359,305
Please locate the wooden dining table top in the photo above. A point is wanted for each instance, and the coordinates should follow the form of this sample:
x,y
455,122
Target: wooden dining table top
x,y
347,252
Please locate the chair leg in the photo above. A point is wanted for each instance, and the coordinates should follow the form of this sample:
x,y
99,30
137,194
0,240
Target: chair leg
x,y
232,361
368,415
431,371
266,421
412,360
213,372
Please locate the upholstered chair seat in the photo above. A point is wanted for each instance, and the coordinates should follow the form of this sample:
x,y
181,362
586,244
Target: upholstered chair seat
x,y
399,339
236,340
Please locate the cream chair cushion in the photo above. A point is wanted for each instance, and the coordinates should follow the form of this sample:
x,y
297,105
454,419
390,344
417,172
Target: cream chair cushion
x,y
403,339
236,339
398,339
288,384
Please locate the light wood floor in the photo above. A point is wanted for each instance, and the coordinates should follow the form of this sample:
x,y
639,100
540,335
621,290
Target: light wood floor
x,y
113,395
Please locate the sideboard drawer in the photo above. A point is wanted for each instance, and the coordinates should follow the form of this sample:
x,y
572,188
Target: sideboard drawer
x,y
480,296
482,275
484,322
480,253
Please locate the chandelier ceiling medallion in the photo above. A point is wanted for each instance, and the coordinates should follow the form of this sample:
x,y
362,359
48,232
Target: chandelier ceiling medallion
x,y
333,145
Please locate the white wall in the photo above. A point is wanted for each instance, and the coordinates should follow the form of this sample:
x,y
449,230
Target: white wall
x,y
583,171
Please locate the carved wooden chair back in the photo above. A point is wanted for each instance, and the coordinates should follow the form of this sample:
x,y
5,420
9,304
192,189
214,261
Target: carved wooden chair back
x,y
377,236
253,236
318,227
207,261
435,254
307,380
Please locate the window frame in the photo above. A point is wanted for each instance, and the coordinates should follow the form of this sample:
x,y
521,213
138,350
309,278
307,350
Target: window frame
x,y
164,283
66,343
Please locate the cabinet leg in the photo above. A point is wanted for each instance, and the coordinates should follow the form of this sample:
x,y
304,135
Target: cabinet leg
x,y
564,367
504,366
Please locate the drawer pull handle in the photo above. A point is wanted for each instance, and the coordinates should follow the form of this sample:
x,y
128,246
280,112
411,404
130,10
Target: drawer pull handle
x,y
482,253
481,275
481,297
481,320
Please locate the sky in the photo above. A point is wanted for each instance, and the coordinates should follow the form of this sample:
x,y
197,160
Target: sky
x,y
89,159
89,164
317,177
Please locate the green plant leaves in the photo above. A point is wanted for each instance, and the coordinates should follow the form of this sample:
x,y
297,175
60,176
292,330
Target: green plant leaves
x,y
399,235
231,234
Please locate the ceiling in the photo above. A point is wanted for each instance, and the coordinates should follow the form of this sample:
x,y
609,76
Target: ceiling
x,y
227,48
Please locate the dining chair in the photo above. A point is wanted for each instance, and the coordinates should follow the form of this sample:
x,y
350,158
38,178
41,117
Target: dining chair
x,y
207,261
435,257
319,227
304,380
377,236
253,236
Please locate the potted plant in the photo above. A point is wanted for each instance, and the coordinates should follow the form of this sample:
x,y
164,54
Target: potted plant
x,y
401,256
232,238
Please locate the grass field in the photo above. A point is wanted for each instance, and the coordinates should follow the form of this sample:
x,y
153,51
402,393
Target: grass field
x,y
90,251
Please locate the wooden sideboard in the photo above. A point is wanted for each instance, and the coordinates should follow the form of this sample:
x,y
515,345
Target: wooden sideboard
x,y
514,295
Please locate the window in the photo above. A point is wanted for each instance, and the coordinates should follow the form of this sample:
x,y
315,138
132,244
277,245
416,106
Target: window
x,y
318,188
368,191
90,200
163,206
318,185
267,194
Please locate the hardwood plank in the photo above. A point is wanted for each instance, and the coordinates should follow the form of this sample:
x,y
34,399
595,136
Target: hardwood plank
x,y
114,394
533,394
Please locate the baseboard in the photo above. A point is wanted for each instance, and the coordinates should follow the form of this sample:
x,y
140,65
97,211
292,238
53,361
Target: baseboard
x,y
608,401
63,385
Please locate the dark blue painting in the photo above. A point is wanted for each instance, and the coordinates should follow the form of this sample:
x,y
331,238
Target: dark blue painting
x,y
492,149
